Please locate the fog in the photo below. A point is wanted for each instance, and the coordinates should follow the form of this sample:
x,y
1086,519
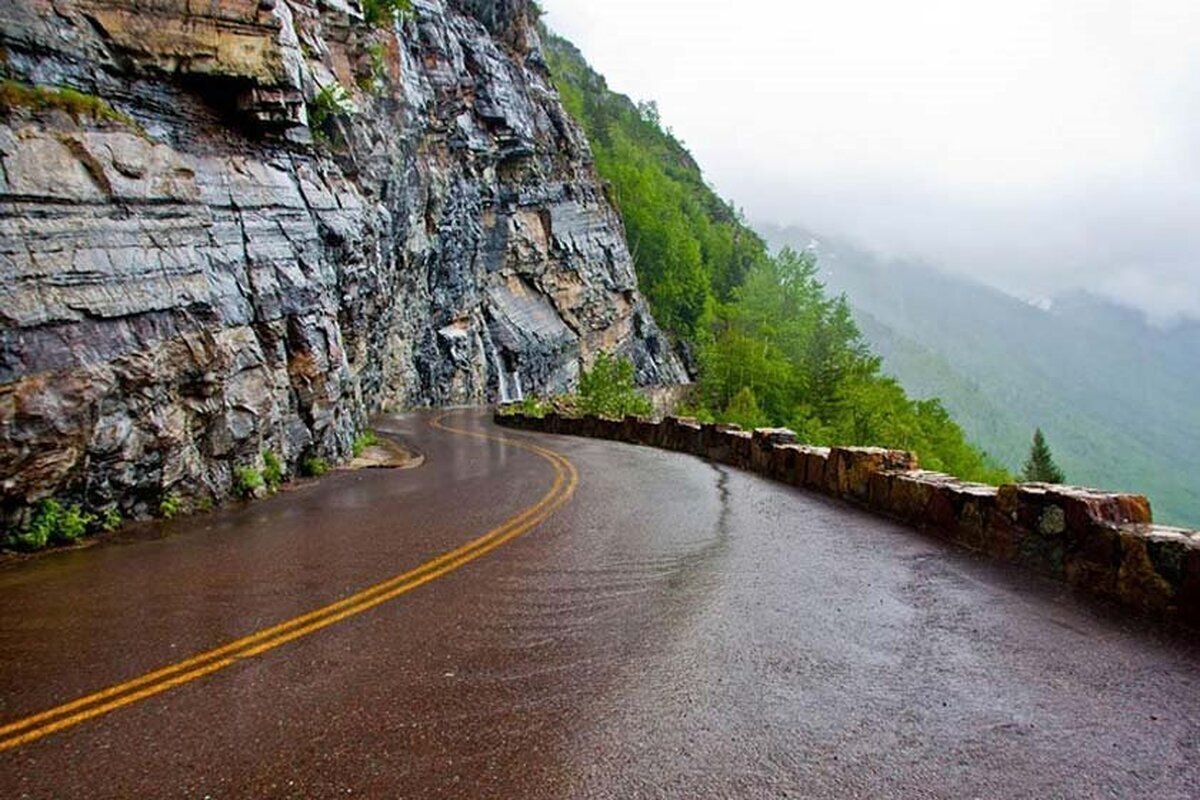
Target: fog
x,y
1040,147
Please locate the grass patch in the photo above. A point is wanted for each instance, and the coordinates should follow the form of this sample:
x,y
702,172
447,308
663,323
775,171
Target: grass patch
x,y
314,467
362,442
79,105
53,522
272,471
247,481
170,506
110,520
529,407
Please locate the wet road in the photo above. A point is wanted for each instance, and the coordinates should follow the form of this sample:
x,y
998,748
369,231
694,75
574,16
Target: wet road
x,y
675,629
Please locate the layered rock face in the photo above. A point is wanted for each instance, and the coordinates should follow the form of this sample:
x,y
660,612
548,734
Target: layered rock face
x,y
293,219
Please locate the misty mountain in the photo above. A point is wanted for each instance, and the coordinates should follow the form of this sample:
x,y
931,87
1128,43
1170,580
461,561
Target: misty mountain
x,y
1118,399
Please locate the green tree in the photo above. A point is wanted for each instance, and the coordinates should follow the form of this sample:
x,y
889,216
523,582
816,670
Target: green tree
x,y
743,410
1040,466
608,389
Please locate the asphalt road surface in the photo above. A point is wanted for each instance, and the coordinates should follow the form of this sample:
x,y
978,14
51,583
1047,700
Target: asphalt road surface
x,y
572,619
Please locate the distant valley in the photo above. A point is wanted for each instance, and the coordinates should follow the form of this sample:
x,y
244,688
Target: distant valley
x,y
1118,399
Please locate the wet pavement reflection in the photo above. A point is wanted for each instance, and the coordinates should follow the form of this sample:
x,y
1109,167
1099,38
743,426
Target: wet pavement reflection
x,y
677,630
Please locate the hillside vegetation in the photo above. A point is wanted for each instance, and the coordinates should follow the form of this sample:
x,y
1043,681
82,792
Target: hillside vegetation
x,y
1115,397
772,347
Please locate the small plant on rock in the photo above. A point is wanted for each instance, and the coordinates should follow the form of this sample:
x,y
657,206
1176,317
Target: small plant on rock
x,y
78,104
529,407
362,442
272,471
247,481
378,13
110,520
170,506
333,100
314,467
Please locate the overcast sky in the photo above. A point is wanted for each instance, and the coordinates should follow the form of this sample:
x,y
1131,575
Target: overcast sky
x,y
1041,145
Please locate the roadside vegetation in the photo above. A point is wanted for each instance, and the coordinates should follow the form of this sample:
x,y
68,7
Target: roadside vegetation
x,y
56,523
362,442
771,346
607,389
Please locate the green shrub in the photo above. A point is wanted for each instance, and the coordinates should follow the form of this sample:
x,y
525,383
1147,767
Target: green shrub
x,y
110,520
170,506
378,13
75,523
247,481
608,389
333,100
53,523
314,467
46,519
530,407
743,410
272,471
362,442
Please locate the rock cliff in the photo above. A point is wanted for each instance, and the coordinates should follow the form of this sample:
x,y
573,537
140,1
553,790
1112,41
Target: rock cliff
x,y
241,226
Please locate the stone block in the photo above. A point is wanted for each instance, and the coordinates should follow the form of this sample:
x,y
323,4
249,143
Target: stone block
x,y
715,442
911,493
851,468
646,432
1083,506
764,442
681,434
609,428
1139,582
1093,559
786,460
879,495
739,445
816,464
960,511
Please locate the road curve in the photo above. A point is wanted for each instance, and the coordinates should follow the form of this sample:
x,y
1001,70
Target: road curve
x,y
673,629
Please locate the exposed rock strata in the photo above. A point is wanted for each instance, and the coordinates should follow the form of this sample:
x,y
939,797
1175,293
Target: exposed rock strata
x,y
183,294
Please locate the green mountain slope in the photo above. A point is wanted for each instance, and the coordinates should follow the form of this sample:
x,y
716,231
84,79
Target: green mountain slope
x,y
1118,400
690,247
770,345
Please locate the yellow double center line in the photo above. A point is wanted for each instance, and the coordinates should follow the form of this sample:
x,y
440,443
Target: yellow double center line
x,y
32,728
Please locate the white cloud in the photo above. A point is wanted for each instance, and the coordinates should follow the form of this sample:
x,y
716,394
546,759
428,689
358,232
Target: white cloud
x,y
1041,146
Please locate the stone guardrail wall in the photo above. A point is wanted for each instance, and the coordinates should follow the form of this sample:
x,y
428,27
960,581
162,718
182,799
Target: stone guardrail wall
x,y
1102,542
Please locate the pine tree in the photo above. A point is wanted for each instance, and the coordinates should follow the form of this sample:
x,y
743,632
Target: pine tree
x,y
1040,468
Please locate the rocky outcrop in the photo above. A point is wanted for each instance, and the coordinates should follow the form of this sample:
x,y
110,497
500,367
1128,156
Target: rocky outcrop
x,y
290,219
1101,542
